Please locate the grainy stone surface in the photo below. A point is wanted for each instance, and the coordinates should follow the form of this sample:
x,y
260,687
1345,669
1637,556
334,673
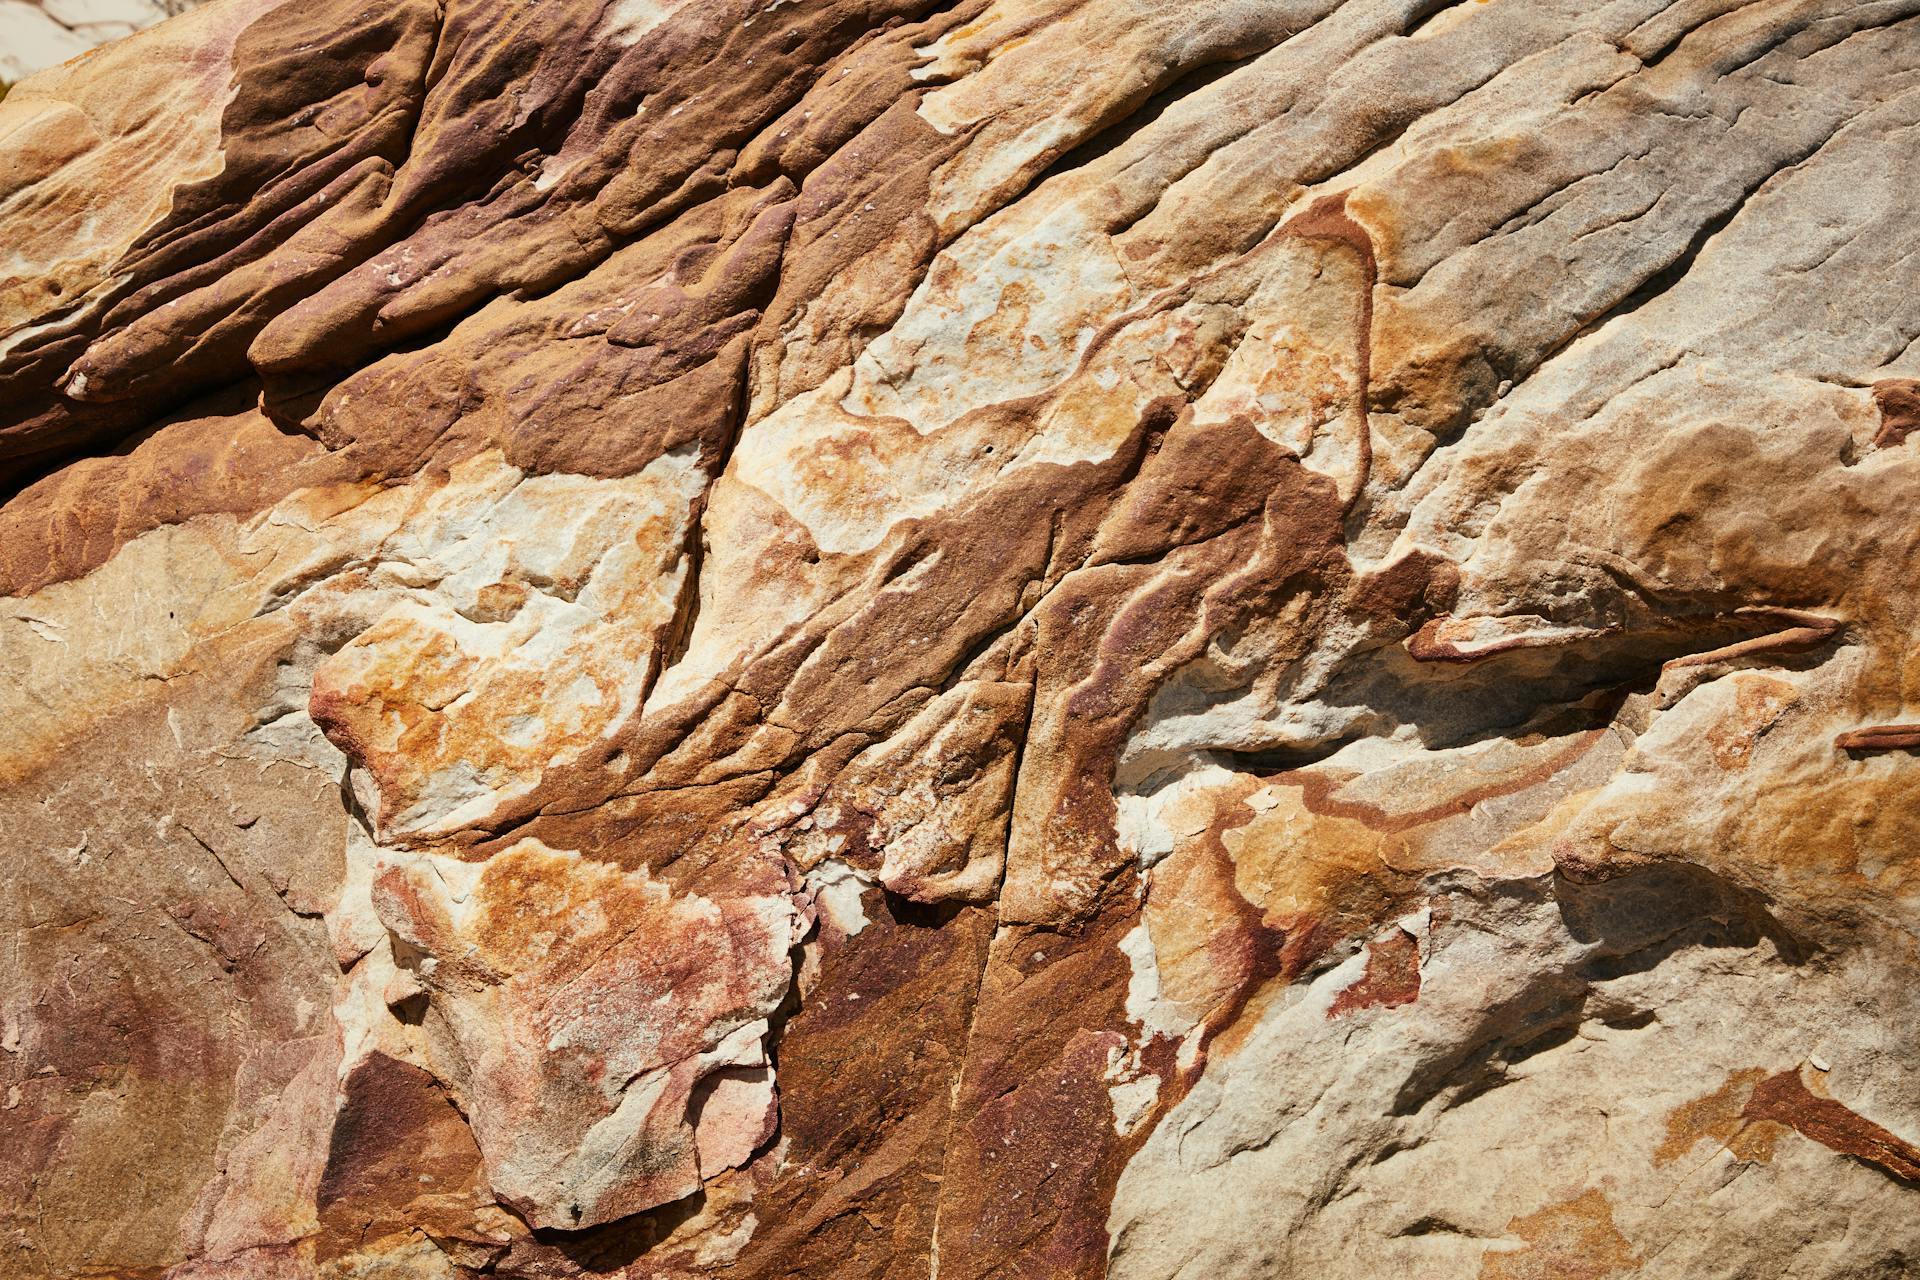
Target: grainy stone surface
x,y
1020,639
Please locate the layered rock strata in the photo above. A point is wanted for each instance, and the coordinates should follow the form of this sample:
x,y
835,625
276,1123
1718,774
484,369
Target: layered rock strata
x,y
1019,638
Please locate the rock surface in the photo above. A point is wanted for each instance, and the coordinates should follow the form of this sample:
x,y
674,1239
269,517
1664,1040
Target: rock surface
x,y
35,34
1021,638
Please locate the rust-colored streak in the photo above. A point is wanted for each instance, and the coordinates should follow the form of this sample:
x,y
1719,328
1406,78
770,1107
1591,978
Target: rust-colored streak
x,y
1392,977
1880,737
1805,631
1802,631
1785,1099
1719,1116
1572,1240
1898,400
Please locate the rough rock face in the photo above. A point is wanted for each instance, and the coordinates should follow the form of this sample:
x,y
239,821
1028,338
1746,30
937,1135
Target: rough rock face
x,y
1022,638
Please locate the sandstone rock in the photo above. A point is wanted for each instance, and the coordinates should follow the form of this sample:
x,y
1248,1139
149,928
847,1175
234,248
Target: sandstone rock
x,y
35,34
1025,638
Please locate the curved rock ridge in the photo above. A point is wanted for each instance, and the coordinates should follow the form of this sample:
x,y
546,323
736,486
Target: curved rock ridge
x,y
1017,639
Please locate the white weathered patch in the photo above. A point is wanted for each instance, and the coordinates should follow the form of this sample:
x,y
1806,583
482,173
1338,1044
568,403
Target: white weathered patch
x,y
528,607
978,330
1132,1100
1146,1006
837,888
719,1248
625,21
1151,824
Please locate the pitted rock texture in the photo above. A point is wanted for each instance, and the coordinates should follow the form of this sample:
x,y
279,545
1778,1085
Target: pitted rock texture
x,y
1019,638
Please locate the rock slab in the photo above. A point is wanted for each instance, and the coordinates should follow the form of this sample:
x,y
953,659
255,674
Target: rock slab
x,y
1019,638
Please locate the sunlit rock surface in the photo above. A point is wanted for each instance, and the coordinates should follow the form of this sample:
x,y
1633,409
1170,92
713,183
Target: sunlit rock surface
x,y
35,34
1022,639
